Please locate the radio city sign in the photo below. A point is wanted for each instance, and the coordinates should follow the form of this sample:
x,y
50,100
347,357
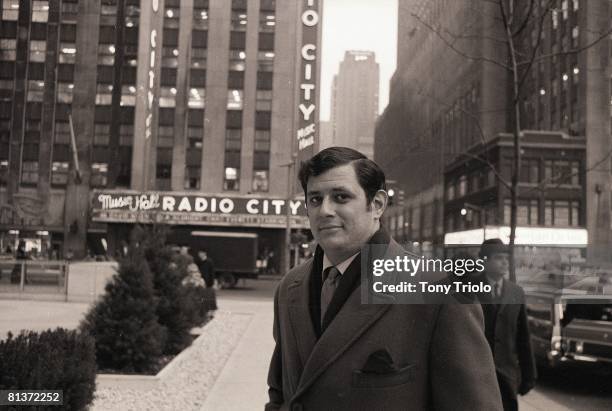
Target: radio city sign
x,y
306,125
197,209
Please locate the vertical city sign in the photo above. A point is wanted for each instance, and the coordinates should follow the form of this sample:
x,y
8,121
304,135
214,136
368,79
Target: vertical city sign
x,y
149,60
309,56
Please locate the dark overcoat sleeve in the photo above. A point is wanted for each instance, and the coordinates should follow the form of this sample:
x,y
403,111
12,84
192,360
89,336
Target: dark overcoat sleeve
x,y
461,364
525,353
275,377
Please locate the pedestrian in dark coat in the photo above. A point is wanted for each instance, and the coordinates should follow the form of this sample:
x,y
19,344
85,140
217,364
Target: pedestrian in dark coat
x,y
506,326
206,267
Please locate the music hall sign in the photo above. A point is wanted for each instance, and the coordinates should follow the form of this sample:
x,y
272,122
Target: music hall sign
x,y
111,206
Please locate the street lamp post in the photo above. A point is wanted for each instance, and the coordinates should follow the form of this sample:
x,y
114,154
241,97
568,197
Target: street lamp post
x,y
290,178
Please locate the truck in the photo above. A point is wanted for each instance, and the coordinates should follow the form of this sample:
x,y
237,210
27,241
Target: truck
x,y
234,254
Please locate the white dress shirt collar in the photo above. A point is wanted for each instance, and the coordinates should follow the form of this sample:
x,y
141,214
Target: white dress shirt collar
x,y
341,267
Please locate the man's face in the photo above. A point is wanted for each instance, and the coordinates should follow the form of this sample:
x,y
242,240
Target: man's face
x,y
496,265
340,217
202,255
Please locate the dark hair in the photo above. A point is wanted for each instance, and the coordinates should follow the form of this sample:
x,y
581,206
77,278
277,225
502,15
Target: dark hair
x,y
369,174
492,246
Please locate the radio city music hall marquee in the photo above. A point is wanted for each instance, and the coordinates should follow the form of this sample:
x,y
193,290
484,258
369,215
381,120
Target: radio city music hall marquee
x,y
191,209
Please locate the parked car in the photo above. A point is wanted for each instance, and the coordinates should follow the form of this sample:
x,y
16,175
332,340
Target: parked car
x,y
573,323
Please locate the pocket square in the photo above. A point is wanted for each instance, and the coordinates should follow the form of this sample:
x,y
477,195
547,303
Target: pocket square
x,y
379,362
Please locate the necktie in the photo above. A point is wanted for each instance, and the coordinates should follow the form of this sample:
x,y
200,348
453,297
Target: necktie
x,y
330,281
497,290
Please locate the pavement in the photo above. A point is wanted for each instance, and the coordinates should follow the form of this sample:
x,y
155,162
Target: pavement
x,y
241,385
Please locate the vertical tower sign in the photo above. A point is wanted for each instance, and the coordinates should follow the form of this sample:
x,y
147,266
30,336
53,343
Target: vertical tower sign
x,y
306,133
149,59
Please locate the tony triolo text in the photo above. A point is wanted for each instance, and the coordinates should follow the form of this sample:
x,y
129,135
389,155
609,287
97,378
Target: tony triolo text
x,y
426,287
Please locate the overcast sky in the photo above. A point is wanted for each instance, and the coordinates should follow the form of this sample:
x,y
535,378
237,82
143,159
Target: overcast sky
x,y
358,25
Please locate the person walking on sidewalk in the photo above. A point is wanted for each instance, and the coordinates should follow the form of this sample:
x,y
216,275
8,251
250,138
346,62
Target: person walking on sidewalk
x,y
506,326
332,351
206,267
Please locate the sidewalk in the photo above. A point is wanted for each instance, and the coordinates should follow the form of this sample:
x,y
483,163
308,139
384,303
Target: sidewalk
x,y
242,385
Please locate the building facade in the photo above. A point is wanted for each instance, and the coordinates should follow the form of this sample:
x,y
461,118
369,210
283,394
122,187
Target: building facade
x,y
168,96
354,106
447,97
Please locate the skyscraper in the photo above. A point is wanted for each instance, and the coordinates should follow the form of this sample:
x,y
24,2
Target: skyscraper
x,y
191,96
354,105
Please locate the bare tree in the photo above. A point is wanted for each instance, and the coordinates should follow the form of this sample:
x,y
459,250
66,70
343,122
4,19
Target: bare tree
x,y
513,22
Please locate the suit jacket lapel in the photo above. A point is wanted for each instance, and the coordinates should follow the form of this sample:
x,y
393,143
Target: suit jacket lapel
x,y
299,316
353,319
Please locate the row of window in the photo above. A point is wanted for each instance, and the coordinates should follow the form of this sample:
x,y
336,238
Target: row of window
x,y
554,213
534,171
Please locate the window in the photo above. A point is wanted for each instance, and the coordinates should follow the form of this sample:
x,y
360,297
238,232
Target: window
x,y
198,57
67,53
237,40
237,60
231,181
170,57
132,16
106,54
260,181
267,5
29,172
104,94
234,99
526,212
101,134
200,18
450,191
267,21
35,90
126,135
70,12
195,136
37,51
264,80
561,213
167,97
171,17
462,186
266,41
192,177
265,61
99,174
64,92
262,140
196,98
575,36
530,172
233,139
128,95
165,136
59,173
263,100
3,172
40,11
8,49
239,20
235,79
62,132
10,10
